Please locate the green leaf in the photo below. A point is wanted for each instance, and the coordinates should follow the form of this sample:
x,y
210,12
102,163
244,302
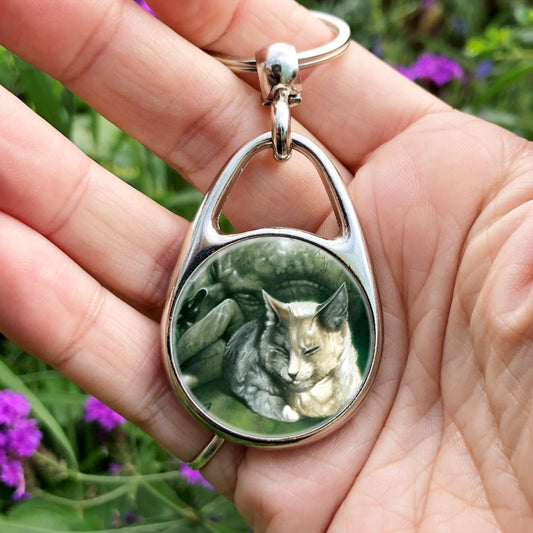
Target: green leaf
x,y
493,40
502,82
44,94
523,15
9,380
10,526
40,515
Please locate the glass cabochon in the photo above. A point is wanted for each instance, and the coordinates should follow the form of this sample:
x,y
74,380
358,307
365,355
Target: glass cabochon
x,y
270,339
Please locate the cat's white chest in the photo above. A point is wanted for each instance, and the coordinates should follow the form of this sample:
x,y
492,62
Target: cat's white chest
x,y
327,397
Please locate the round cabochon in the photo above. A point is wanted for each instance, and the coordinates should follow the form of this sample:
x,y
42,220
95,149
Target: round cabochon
x,y
271,339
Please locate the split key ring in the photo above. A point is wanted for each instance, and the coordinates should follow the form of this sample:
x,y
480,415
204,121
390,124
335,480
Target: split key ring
x,y
278,68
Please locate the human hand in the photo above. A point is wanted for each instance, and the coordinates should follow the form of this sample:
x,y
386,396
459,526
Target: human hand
x,y
443,441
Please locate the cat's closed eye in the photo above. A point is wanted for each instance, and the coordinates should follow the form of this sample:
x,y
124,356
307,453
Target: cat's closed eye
x,y
311,351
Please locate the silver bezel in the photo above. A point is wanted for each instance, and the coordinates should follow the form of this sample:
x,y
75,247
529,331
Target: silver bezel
x,y
206,239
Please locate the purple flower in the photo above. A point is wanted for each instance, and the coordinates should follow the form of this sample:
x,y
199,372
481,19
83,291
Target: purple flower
x,y
427,4
114,469
104,416
13,476
131,518
483,69
460,27
19,438
11,472
25,437
376,48
194,477
13,406
145,6
437,69
408,72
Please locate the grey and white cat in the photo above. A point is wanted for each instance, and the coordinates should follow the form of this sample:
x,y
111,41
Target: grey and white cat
x,y
297,361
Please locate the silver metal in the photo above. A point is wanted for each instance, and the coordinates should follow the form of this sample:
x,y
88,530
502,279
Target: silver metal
x,y
281,125
277,67
207,453
279,79
308,58
206,239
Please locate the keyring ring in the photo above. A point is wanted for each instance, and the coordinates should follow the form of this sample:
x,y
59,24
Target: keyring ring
x,y
207,453
308,58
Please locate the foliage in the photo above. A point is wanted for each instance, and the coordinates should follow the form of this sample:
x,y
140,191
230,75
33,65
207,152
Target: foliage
x,y
492,40
86,479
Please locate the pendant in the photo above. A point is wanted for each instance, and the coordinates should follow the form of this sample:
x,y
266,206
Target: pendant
x,y
272,337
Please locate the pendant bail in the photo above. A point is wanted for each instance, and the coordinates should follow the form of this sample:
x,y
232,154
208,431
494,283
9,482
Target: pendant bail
x,y
279,79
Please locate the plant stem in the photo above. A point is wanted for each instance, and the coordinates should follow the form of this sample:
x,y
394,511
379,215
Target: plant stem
x,y
91,502
105,479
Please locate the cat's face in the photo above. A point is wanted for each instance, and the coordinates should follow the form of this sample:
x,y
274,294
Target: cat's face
x,y
306,339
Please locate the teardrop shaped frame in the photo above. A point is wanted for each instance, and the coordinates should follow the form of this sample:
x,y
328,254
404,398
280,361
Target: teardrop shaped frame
x,y
205,241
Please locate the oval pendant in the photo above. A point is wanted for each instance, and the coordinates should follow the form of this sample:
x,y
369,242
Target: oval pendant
x,y
273,336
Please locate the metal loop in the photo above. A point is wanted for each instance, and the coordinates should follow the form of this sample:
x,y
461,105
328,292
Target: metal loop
x,y
281,125
279,79
306,59
207,453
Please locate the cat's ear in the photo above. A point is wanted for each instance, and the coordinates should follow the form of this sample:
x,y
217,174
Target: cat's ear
x,y
275,308
333,313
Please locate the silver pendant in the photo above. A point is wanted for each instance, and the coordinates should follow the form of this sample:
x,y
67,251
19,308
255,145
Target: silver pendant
x,y
272,337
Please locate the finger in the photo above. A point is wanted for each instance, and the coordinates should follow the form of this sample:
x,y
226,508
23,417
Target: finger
x,y
102,344
113,352
125,240
179,102
353,104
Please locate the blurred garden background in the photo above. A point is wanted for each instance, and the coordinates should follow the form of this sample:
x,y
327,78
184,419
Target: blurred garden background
x,y
68,463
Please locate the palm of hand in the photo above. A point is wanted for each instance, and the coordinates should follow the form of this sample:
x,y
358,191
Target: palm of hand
x,y
454,269
443,440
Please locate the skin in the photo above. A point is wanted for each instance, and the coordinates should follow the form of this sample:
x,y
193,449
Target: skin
x,y
444,440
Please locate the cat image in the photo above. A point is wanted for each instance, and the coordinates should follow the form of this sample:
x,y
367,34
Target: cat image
x,y
256,367
296,361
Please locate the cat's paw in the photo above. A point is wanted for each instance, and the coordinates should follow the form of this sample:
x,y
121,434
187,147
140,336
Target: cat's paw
x,y
289,414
